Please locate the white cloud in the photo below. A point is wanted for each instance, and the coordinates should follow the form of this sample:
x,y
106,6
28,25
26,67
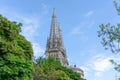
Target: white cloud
x,y
89,13
98,66
86,70
101,63
30,27
38,50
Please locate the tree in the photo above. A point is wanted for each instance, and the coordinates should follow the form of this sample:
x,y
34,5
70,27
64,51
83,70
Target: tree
x,y
51,69
15,52
110,35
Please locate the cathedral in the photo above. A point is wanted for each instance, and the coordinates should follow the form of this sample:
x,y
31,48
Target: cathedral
x,y
55,46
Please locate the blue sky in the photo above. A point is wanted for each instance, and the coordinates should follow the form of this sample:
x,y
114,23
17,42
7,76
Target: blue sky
x,y
79,21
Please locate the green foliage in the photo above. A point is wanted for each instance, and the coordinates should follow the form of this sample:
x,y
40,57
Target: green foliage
x,y
71,74
15,52
117,66
111,34
111,37
51,69
117,6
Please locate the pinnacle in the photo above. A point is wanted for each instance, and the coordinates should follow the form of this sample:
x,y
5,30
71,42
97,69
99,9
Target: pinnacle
x,y
54,13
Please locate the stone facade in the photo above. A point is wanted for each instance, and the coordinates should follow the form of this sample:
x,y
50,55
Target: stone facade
x,y
78,70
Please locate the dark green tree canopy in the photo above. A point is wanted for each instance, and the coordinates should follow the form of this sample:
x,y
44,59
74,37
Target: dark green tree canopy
x,y
15,52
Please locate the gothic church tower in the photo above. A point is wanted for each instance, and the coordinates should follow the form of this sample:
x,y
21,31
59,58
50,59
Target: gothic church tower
x,y
54,46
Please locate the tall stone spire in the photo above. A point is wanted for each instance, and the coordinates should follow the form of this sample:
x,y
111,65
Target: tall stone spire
x,y
54,45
